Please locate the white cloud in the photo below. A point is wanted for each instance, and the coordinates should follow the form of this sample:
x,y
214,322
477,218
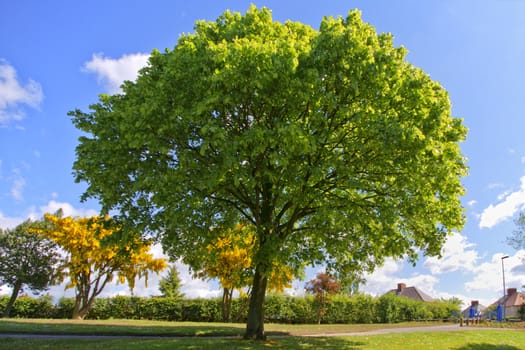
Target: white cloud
x,y
495,185
13,94
9,222
488,276
67,210
17,188
502,196
457,255
196,288
472,203
383,278
51,207
111,73
509,205
17,181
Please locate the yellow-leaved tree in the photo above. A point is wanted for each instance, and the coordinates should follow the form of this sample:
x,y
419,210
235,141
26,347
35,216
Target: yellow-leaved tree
x,y
97,253
229,259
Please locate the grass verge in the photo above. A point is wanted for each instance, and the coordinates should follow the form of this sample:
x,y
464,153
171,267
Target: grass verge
x,y
470,340
181,329
193,336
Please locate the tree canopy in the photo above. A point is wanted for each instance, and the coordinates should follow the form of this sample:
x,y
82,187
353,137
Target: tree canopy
x,y
27,260
328,141
97,252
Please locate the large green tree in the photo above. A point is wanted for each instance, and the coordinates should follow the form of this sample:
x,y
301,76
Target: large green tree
x,y
328,141
27,260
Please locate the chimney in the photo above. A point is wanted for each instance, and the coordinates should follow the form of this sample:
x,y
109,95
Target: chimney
x,y
474,303
511,291
400,287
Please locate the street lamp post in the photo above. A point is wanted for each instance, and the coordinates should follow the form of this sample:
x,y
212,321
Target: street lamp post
x,y
504,290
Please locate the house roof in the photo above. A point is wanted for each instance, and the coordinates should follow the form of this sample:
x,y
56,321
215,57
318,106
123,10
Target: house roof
x,y
476,305
512,298
412,293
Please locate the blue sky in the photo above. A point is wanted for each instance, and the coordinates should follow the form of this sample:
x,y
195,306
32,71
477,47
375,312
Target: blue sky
x,y
56,56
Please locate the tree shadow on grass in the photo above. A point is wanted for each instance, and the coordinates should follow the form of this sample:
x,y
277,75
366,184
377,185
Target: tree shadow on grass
x,y
324,343
284,343
187,343
485,346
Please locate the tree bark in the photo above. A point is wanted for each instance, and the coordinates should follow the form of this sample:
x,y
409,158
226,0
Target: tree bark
x,y
226,304
255,322
82,308
11,302
76,308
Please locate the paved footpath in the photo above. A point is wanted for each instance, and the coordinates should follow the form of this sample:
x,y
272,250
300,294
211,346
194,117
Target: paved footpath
x,y
440,328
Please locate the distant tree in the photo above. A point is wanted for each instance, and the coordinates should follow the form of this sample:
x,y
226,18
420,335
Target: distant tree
x,y
454,301
228,258
97,252
322,286
350,283
27,260
336,148
517,239
170,285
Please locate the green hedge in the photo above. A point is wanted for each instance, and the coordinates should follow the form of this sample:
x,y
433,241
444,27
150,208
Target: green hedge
x,y
278,309
28,307
392,309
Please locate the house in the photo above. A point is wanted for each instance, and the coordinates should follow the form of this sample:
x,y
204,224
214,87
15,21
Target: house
x,y
411,293
474,310
513,302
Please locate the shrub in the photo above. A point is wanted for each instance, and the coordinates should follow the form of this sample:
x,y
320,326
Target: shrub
x,y
303,310
28,307
161,308
278,308
351,309
64,308
4,299
201,310
388,309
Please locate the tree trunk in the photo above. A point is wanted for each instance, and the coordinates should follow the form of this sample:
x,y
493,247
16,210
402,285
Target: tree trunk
x,y
255,322
76,308
11,302
320,299
81,307
226,304
85,295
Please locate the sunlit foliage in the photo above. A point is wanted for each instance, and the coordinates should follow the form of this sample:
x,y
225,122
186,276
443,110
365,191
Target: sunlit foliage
x,y
97,253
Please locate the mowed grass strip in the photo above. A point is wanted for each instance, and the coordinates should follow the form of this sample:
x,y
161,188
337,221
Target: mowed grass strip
x,y
192,329
457,340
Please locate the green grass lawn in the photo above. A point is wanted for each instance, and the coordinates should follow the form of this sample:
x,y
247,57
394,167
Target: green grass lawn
x,y
144,327
230,337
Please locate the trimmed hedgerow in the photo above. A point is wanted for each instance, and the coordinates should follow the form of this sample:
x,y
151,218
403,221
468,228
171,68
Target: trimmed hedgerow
x,y
341,309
